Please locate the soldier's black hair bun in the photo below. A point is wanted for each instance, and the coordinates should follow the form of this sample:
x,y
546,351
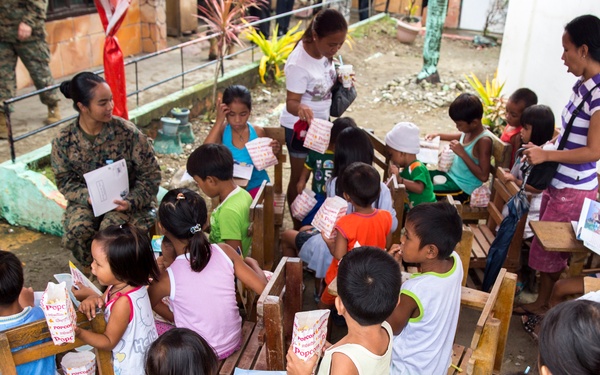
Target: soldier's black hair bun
x,y
65,89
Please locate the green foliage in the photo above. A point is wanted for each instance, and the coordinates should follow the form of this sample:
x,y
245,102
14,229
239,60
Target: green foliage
x,y
493,102
275,50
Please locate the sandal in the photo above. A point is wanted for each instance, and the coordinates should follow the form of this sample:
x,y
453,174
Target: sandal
x,y
531,323
521,310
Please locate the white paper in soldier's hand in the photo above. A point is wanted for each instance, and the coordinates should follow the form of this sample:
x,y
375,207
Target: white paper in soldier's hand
x,y
107,184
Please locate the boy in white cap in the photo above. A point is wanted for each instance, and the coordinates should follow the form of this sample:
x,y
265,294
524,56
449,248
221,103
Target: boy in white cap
x,y
402,143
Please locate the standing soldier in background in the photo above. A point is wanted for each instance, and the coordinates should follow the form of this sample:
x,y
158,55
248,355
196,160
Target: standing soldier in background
x,y
23,34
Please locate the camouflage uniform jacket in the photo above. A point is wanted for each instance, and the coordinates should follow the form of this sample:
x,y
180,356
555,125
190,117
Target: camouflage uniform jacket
x,y
73,155
13,12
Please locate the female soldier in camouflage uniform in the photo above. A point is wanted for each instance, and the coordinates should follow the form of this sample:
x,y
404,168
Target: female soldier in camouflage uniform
x,y
97,138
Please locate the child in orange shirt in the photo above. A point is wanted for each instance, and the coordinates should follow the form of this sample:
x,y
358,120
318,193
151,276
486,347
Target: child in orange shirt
x,y
366,226
516,104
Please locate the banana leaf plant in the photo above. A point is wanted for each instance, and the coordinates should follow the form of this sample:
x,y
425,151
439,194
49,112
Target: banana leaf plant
x,y
494,111
275,50
226,18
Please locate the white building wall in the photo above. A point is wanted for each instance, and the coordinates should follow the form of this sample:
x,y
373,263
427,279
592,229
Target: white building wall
x,y
531,48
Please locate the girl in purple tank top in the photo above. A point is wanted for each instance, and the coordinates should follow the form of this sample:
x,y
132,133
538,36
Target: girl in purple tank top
x,y
200,283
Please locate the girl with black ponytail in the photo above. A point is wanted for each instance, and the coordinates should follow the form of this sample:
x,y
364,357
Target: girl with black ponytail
x,y
200,281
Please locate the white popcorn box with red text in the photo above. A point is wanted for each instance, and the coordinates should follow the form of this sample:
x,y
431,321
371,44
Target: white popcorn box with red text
x,y
318,135
446,159
60,313
309,333
261,153
82,363
303,203
330,212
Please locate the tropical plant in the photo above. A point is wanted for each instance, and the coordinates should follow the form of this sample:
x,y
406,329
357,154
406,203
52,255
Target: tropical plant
x,y
226,18
493,102
276,50
411,12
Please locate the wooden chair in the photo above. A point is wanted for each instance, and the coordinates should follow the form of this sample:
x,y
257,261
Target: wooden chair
x,y
382,157
265,342
278,134
485,354
31,334
484,234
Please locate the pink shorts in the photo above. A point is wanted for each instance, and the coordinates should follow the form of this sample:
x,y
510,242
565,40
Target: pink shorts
x,y
562,205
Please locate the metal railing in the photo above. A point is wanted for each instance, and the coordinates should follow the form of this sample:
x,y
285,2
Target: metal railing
x,y
7,103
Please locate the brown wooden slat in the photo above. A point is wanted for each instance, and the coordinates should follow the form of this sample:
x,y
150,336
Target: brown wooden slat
x,y
458,352
487,309
479,243
261,361
489,236
293,294
7,364
273,317
250,352
229,364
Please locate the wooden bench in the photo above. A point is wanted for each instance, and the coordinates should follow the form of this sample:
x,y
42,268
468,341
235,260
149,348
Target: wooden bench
x,y
484,234
30,335
265,342
485,353
278,133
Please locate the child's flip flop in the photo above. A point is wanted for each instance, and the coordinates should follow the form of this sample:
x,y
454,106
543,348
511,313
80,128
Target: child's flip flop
x,y
531,323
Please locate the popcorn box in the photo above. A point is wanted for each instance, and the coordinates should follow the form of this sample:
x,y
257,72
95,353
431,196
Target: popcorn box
x,y
318,135
60,313
480,197
303,203
261,153
309,333
81,363
446,159
329,213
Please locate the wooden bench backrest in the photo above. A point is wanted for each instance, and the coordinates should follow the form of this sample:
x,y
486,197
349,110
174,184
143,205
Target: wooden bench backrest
x,y
277,134
37,331
262,227
399,197
276,307
381,158
491,332
502,153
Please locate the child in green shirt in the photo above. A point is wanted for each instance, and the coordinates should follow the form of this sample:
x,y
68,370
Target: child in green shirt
x,y
402,143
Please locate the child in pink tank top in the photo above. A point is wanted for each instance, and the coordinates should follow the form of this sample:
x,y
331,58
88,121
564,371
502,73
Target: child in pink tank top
x,y
200,281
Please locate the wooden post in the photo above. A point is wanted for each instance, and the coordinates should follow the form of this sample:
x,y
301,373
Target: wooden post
x,y
273,312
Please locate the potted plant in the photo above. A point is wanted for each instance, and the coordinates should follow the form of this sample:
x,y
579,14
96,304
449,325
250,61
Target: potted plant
x,y
275,50
181,114
493,102
170,126
409,25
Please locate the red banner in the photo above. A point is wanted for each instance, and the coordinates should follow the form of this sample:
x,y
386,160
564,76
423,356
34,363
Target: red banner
x,y
112,13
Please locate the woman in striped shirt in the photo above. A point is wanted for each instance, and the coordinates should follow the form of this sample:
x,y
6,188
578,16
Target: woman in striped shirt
x,y
576,176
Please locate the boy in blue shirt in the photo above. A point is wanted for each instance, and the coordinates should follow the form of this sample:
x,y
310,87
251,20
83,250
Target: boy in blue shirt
x,y
14,312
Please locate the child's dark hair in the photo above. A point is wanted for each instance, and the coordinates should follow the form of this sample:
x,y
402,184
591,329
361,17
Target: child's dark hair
x,y
569,339
11,278
340,124
326,22
541,120
80,88
211,160
181,351
182,212
129,254
361,182
369,284
352,145
466,107
238,93
525,95
436,224
586,30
